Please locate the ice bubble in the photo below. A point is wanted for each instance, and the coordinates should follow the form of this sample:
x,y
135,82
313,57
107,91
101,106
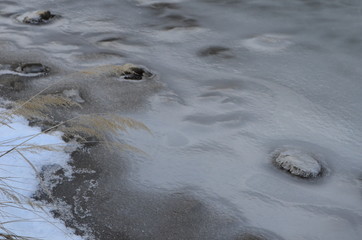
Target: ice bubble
x,y
298,163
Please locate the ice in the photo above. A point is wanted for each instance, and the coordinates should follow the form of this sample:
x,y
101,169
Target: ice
x,y
294,79
298,163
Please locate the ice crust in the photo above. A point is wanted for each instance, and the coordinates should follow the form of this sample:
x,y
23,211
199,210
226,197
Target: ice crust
x,y
298,163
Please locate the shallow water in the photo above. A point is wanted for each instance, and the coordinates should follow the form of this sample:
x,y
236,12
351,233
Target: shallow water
x,y
241,79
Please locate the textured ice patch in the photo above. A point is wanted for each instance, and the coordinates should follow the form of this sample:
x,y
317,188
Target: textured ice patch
x,y
25,70
267,43
298,163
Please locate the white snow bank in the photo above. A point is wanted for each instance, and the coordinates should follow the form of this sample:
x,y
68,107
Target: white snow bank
x,y
16,175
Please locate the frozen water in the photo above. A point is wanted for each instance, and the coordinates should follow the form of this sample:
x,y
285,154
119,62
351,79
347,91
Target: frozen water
x,y
293,78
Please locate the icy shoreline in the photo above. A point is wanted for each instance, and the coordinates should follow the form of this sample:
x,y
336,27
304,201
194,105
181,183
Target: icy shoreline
x,y
18,176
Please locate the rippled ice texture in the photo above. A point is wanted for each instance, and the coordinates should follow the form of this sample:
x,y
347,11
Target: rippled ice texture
x,y
244,77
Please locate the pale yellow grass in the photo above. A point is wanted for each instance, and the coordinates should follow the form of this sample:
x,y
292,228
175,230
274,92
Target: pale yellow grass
x,y
95,126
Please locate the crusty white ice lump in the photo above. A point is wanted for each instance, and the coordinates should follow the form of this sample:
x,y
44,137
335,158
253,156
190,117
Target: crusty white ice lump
x,y
36,17
298,163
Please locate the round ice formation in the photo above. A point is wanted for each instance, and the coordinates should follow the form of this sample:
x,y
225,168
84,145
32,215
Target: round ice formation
x,y
267,43
25,70
298,163
135,73
32,68
36,17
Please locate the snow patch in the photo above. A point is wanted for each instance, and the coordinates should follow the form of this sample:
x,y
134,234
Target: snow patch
x,y
19,177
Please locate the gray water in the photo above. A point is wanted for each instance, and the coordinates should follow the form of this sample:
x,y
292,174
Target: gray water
x,y
239,79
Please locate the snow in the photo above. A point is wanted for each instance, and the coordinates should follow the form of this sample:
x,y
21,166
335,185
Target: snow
x,y
17,175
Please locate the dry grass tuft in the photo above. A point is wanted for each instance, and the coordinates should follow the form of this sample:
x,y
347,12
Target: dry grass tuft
x,y
110,123
33,148
82,128
41,105
36,107
11,236
94,128
109,69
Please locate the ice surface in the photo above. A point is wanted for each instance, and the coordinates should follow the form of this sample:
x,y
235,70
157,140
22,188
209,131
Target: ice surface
x,y
294,79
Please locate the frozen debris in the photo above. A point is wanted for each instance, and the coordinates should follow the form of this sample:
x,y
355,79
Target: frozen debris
x,y
44,124
127,71
24,70
74,95
298,163
83,194
32,69
36,17
5,104
132,72
218,51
